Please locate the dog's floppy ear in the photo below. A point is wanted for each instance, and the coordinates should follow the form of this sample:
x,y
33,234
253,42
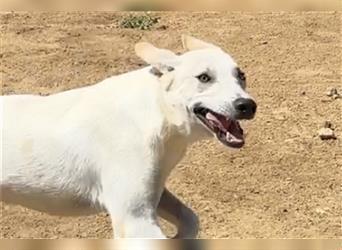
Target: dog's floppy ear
x,y
191,43
162,60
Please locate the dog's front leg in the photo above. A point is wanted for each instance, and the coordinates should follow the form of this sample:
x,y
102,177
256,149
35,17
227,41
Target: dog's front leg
x,y
133,217
131,198
173,210
134,221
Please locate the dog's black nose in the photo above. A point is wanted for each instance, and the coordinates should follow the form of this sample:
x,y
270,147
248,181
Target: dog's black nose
x,y
245,108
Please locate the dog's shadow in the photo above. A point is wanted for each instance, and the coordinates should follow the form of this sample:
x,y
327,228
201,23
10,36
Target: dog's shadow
x,y
192,244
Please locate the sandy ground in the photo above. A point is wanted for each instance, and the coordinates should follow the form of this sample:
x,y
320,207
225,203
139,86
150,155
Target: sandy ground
x,y
284,183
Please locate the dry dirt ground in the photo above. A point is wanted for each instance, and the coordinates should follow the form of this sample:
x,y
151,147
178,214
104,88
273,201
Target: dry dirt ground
x,y
284,183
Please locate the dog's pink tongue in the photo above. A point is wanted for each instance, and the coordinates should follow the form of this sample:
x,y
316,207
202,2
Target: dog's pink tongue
x,y
220,121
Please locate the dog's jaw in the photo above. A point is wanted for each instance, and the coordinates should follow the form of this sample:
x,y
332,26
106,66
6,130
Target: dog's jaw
x,y
226,129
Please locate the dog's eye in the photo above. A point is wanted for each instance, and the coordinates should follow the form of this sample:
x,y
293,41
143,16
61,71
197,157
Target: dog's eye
x,y
204,78
241,75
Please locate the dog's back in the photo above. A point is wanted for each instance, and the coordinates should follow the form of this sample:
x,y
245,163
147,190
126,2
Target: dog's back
x,y
52,144
36,168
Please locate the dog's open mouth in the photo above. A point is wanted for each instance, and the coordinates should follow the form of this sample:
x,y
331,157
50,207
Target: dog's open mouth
x,y
227,130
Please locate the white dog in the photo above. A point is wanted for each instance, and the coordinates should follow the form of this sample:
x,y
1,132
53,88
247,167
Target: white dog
x,y
111,146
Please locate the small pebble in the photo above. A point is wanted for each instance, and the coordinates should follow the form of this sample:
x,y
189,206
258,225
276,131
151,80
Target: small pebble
x,y
337,96
320,211
326,134
332,92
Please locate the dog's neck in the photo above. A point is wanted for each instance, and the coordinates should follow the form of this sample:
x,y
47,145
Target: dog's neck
x,y
178,121
178,132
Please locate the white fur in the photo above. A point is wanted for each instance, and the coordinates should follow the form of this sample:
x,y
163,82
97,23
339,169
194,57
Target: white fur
x,y
111,146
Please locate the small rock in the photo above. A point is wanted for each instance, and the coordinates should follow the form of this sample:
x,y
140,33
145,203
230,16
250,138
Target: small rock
x,y
321,210
332,92
206,208
326,134
337,96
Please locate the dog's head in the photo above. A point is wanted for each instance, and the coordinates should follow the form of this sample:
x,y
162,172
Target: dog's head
x,y
208,82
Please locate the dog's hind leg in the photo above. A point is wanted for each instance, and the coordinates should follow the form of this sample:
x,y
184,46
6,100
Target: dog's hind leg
x,y
173,210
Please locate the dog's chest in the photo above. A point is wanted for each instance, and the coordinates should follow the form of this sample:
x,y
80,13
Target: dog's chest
x,y
174,151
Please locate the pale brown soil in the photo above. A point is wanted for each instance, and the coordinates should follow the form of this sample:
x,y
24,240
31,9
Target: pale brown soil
x,y
284,183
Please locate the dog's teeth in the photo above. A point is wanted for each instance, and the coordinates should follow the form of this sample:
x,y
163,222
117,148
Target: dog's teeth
x,y
229,137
